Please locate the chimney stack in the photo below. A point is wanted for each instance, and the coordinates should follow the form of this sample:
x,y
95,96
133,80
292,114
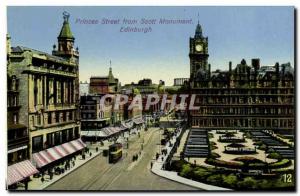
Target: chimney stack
x,y
230,66
255,63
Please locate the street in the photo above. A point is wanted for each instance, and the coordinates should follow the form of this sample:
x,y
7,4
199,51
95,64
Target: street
x,y
125,174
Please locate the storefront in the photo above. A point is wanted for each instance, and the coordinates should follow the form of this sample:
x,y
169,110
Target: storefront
x,y
50,155
20,172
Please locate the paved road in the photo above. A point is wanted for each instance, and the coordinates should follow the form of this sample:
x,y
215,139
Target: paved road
x,y
97,174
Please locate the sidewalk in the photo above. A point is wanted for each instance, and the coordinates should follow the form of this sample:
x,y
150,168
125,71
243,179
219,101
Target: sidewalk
x,y
158,165
37,184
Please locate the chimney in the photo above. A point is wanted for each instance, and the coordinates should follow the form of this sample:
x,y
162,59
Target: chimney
x,y
277,69
255,63
230,66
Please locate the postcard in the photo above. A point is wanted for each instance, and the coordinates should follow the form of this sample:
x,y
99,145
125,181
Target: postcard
x,y
151,98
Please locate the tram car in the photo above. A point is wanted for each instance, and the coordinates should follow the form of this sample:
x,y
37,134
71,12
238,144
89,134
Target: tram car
x,y
115,152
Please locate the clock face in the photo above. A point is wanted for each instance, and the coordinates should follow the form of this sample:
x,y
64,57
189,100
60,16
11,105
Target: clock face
x,y
199,48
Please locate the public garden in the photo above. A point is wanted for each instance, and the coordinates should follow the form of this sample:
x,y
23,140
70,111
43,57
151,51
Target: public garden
x,y
237,160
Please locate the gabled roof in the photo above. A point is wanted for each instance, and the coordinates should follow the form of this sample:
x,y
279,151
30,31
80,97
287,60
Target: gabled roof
x,y
20,49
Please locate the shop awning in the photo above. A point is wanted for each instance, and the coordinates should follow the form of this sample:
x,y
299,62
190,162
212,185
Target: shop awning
x,y
61,151
20,171
127,125
78,144
107,131
49,155
138,121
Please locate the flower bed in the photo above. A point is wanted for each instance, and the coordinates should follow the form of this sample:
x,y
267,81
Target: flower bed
x,y
228,178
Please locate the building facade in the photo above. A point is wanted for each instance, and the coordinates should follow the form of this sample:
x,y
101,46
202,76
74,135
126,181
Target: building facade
x,y
180,81
100,85
48,91
84,88
144,87
249,96
17,133
94,116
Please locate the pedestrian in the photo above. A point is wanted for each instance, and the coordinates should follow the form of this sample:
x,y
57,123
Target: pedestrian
x,y
151,164
162,158
43,179
26,184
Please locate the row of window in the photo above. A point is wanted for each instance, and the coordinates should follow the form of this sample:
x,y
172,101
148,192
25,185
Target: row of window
x,y
54,139
240,84
93,125
245,111
245,91
94,107
17,156
60,67
16,134
57,91
267,123
52,118
86,115
244,100
12,100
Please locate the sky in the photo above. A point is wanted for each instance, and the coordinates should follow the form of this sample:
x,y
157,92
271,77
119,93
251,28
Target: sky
x,y
233,33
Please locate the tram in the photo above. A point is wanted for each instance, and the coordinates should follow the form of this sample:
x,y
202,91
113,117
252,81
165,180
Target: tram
x,y
115,152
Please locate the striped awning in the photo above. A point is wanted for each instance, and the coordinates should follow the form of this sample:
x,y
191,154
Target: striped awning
x,y
78,144
61,151
20,171
138,121
107,131
49,155
127,125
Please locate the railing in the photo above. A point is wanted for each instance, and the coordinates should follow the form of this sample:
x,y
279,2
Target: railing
x,y
175,146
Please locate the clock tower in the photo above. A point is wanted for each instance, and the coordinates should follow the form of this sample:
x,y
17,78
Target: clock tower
x,y
198,53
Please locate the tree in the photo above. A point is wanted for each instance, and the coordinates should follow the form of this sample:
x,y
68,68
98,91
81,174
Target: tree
x,y
274,155
186,170
230,180
136,91
215,179
248,182
201,173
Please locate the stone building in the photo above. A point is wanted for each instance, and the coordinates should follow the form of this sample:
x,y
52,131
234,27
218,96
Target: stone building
x,y
84,88
17,133
144,87
48,92
249,96
180,81
93,115
101,85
